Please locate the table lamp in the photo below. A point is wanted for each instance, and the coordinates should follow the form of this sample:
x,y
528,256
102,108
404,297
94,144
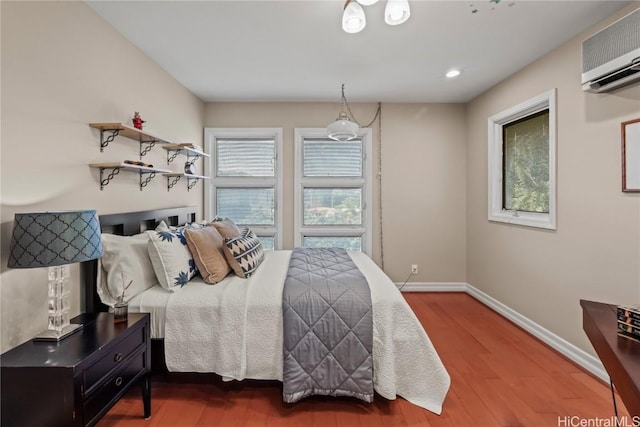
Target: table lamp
x,y
55,240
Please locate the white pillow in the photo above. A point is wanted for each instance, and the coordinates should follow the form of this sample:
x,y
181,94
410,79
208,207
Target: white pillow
x,y
170,256
124,257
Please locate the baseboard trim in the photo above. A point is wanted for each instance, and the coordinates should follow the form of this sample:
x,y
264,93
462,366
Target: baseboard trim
x,y
433,287
585,360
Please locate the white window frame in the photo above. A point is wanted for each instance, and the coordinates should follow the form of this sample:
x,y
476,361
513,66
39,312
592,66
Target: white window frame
x,y
496,123
275,182
365,229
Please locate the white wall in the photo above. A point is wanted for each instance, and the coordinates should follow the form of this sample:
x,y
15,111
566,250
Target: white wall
x,y
595,252
423,156
63,67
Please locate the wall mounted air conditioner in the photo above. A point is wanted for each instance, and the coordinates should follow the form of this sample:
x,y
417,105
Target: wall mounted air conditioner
x,y
611,57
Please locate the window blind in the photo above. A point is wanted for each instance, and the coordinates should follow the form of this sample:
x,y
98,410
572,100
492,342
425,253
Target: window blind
x,y
328,158
245,157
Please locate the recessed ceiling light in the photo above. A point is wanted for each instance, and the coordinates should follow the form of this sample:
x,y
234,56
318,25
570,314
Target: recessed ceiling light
x,y
453,73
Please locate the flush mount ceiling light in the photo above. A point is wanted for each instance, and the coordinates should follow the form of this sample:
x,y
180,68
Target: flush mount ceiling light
x,y
343,129
453,73
354,20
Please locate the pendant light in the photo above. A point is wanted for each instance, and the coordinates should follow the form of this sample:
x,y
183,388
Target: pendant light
x,y
354,20
343,129
396,12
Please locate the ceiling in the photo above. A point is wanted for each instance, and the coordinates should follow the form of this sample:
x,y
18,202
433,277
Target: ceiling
x,y
296,51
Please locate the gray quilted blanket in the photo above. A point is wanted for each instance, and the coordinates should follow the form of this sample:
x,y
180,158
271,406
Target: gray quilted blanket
x,y
328,327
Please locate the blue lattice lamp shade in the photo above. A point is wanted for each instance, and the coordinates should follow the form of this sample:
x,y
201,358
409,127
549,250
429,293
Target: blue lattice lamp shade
x,y
54,240
46,239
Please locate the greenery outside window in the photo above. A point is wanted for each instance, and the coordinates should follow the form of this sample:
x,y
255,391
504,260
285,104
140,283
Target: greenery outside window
x,y
245,184
522,146
332,191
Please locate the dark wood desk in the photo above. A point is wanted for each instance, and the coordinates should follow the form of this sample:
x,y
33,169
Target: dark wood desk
x,y
620,356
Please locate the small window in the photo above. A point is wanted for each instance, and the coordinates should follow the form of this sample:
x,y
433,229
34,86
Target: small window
x,y
246,177
522,163
525,149
333,189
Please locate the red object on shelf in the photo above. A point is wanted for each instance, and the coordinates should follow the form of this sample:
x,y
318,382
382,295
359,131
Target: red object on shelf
x,y
137,121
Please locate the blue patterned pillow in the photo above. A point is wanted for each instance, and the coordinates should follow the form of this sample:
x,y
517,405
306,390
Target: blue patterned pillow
x,y
170,256
244,253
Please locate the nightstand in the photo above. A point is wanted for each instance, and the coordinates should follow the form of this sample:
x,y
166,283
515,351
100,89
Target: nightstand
x,y
74,382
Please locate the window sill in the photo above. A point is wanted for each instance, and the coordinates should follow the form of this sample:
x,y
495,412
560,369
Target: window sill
x,y
527,219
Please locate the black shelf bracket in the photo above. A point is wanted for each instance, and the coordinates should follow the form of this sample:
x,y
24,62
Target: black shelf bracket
x,y
191,182
145,181
146,146
105,181
105,142
171,155
172,182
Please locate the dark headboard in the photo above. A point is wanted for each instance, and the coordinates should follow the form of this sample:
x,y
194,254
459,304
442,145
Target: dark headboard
x,y
127,224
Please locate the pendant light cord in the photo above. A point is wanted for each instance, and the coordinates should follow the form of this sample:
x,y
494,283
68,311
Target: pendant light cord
x,y
344,102
378,116
379,174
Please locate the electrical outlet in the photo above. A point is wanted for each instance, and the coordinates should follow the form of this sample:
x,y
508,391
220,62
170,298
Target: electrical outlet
x,y
414,268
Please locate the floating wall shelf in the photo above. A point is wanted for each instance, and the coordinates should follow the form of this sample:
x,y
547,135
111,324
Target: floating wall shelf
x,y
109,131
147,140
115,170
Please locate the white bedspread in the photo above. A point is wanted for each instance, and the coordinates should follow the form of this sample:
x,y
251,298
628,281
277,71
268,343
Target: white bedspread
x,y
234,329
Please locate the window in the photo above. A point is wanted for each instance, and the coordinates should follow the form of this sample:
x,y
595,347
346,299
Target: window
x,y
522,175
333,190
245,184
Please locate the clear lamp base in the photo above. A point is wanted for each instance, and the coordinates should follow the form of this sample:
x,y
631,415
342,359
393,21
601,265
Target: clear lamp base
x,y
54,335
58,306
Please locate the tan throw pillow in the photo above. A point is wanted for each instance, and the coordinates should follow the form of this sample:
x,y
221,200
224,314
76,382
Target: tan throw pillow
x,y
206,245
227,228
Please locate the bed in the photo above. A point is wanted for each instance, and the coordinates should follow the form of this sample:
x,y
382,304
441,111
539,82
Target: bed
x,y
235,327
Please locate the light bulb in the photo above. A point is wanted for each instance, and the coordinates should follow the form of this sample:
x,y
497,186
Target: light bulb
x,y
352,25
395,14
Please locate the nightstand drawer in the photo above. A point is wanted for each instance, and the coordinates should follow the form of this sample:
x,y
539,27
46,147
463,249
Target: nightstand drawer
x,y
121,379
112,359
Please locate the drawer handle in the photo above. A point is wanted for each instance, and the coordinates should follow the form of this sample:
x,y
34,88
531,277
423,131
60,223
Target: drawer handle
x,y
118,357
119,381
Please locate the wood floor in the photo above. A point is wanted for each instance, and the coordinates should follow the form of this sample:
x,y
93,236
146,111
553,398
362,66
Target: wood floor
x,y
500,376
